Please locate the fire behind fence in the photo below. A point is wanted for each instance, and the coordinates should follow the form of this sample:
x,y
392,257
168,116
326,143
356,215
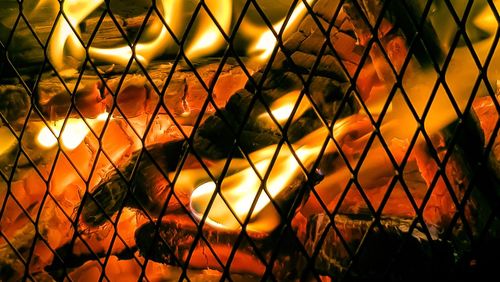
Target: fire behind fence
x,y
355,140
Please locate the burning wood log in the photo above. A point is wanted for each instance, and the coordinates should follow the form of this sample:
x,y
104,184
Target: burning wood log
x,y
175,244
46,234
176,232
149,186
90,245
385,252
214,137
134,96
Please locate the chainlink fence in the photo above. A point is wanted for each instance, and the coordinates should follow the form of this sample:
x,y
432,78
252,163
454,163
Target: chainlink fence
x,y
395,99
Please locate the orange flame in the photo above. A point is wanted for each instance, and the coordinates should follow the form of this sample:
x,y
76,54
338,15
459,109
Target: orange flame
x,y
71,136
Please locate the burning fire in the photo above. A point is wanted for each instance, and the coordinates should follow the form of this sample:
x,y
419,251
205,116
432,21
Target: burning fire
x,y
256,194
240,190
233,196
65,39
207,39
144,51
65,42
282,108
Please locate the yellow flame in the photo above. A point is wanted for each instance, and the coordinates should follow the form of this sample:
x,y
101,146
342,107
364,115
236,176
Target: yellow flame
x,y
266,41
208,37
76,11
72,135
145,51
64,42
240,190
283,107
65,38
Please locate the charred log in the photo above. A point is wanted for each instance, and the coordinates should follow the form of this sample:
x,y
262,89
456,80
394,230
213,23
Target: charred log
x,y
92,94
388,251
147,190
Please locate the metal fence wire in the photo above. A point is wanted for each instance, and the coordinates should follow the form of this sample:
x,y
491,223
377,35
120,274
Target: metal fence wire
x,y
389,142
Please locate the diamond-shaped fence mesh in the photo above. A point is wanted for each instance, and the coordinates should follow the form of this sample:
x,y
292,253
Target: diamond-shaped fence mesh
x,y
350,140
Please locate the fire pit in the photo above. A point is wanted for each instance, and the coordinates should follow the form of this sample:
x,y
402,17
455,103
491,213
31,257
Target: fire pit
x,y
244,140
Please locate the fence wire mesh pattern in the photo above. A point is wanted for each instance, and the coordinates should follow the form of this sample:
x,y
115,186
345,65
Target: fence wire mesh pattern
x,y
248,140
